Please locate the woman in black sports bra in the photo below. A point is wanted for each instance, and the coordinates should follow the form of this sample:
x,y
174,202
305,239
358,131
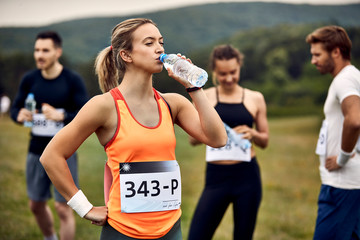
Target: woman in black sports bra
x,y
232,172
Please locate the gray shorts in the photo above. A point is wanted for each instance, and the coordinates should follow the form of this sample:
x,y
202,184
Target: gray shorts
x,y
39,184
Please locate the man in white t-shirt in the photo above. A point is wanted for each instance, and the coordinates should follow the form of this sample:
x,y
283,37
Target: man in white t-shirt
x,y
339,198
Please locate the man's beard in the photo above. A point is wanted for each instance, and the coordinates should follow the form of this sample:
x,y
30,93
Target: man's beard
x,y
45,65
327,67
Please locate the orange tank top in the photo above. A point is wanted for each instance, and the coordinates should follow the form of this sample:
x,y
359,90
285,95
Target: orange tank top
x,y
136,143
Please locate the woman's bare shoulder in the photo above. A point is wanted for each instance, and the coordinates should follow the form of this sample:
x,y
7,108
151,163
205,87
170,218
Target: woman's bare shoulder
x,y
103,100
99,105
255,95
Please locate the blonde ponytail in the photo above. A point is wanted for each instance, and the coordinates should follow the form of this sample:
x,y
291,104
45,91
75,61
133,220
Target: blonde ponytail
x,y
106,70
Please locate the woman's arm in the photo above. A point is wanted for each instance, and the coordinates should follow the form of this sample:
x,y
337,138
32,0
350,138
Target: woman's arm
x,y
209,95
91,117
201,121
261,135
194,141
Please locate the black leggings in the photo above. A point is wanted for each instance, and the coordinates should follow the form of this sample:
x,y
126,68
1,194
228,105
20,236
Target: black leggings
x,y
239,184
109,233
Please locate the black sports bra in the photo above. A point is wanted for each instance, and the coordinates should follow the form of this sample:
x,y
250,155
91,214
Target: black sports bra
x,y
234,114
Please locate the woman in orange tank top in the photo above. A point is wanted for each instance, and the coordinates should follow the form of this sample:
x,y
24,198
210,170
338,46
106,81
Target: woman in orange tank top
x,y
134,123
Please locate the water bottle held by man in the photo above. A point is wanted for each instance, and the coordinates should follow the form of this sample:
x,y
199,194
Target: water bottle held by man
x,y
30,105
182,68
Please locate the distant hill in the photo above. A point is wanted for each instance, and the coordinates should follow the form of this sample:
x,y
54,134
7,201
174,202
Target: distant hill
x,y
185,29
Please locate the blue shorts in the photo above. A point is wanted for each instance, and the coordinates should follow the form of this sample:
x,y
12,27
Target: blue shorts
x,y
338,214
37,181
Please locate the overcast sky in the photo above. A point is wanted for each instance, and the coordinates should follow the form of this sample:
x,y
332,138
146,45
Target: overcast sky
x,y
44,12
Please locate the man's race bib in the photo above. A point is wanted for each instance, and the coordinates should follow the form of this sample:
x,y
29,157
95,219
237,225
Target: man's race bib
x,y
231,151
321,143
44,127
150,186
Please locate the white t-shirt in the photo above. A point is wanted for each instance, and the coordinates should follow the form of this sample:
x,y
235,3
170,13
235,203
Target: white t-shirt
x,y
346,83
5,104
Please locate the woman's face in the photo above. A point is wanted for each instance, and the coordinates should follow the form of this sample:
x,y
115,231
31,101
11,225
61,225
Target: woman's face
x,y
227,72
147,46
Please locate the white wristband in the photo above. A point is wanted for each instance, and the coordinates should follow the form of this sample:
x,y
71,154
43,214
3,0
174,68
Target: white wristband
x,y
343,158
80,204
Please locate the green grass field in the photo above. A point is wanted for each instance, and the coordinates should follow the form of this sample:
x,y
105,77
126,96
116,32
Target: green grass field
x,y
289,170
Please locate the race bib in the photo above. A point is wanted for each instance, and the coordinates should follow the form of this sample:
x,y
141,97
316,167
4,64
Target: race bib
x,y
44,127
150,186
321,143
231,151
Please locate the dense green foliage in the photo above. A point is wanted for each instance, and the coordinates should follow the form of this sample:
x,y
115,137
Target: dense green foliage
x,y
271,35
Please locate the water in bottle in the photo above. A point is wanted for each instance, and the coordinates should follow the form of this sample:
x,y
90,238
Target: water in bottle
x,y
182,68
237,138
30,105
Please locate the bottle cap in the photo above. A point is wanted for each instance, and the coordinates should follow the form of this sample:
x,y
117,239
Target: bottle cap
x,y
31,95
162,57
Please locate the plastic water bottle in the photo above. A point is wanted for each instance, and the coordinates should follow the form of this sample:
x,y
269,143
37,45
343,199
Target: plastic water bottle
x,y
237,138
30,105
182,68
